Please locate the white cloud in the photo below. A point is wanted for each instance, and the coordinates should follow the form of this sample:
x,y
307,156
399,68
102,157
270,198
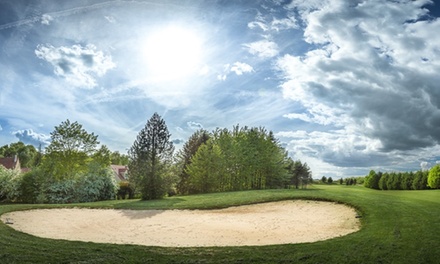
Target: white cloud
x,y
28,136
263,48
258,24
46,19
239,68
284,24
424,166
79,65
110,19
194,125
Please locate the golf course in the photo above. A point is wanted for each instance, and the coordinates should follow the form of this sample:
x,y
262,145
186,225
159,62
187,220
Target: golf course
x,y
395,227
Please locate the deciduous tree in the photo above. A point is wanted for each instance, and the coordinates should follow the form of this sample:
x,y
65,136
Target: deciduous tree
x,y
69,151
434,177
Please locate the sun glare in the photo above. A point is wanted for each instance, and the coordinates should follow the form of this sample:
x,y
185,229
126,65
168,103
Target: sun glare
x,y
173,53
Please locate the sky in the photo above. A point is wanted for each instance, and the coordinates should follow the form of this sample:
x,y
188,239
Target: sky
x,y
346,86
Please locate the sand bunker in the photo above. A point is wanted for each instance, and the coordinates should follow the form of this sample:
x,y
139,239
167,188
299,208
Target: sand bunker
x,y
260,224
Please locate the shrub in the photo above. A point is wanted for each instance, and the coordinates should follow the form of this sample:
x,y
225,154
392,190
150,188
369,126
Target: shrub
x,y
125,188
96,186
9,184
30,187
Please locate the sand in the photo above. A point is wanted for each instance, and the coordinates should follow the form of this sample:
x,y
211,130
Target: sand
x,y
260,224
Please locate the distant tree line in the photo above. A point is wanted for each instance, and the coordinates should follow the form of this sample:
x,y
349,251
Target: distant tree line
x,y
419,180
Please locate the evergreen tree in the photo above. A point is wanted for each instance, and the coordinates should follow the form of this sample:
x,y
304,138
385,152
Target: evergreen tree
x,y
150,159
185,156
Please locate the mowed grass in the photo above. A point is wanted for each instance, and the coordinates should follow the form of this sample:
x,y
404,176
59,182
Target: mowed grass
x,y
397,227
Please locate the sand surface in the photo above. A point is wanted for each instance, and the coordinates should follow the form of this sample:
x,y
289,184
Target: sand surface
x,y
260,224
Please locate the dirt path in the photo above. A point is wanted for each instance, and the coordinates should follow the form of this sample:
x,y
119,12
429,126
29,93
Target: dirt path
x,y
261,224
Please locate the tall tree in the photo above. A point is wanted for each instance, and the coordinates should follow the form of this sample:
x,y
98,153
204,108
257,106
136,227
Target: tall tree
x,y
69,151
185,156
150,159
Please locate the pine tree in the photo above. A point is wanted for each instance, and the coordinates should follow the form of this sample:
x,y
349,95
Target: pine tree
x,y
185,156
150,159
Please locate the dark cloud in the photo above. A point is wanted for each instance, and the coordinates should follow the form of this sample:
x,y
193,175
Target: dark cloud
x,y
371,78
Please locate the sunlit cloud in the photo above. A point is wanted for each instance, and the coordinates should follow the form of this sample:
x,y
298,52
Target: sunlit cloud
x,y
46,19
28,136
263,48
79,65
239,68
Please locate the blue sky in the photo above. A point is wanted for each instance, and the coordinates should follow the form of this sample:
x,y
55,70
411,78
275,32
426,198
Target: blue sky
x,y
346,86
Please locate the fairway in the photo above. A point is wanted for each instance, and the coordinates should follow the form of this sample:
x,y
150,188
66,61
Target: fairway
x,y
397,227
283,222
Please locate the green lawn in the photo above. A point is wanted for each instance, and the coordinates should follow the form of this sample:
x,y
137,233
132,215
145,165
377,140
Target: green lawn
x,y
397,227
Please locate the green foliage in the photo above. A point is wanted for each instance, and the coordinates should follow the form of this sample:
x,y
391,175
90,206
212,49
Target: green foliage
x,y
69,151
151,159
324,179
9,184
330,180
97,185
117,158
31,186
434,177
125,189
420,181
184,159
27,154
372,180
398,180
299,173
241,159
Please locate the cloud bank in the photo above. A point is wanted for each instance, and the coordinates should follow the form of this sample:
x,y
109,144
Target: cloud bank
x,y
371,78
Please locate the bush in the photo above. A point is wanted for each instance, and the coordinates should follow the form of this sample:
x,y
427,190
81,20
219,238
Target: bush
x,y
30,187
9,184
125,188
96,186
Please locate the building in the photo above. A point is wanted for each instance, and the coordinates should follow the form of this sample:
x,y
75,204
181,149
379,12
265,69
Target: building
x,y
120,172
11,163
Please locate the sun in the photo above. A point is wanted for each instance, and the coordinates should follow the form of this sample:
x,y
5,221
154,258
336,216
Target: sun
x,y
173,52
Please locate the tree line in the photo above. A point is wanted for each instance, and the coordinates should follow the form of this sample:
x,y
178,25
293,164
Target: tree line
x,y
419,180
76,168
223,160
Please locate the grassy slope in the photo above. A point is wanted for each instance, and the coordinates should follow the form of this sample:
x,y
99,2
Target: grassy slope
x,y
398,227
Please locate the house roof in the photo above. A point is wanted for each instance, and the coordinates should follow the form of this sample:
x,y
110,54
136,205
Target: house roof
x,y
10,163
119,171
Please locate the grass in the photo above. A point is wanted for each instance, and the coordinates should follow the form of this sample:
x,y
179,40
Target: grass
x,y
397,227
